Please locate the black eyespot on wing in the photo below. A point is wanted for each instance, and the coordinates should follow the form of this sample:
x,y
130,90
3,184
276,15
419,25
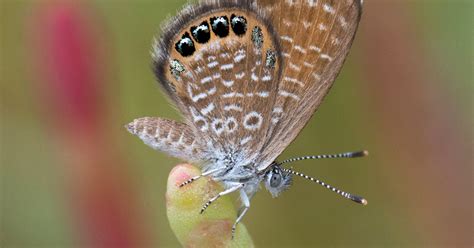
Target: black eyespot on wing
x,y
239,24
220,26
201,33
185,46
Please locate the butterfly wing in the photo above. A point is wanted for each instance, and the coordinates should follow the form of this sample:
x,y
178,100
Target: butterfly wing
x,y
220,64
315,37
176,139
253,91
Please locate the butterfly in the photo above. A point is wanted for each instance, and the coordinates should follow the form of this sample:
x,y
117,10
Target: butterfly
x,y
247,75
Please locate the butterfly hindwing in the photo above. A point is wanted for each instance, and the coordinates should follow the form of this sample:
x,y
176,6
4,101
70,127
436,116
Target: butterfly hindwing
x,y
176,139
222,70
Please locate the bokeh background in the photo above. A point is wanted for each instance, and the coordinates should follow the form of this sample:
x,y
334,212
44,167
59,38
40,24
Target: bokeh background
x,y
74,72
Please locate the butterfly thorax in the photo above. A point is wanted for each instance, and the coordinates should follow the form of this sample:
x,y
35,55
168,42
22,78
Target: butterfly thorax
x,y
233,169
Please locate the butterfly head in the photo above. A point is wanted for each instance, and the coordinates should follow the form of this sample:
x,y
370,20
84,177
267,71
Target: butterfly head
x,y
277,180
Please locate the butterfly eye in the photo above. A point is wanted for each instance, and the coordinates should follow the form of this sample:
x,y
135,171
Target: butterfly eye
x,y
185,46
220,26
239,24
275,179
201,33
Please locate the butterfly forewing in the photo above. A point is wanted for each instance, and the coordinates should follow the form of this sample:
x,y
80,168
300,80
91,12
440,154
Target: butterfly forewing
x,y
225,81
315,37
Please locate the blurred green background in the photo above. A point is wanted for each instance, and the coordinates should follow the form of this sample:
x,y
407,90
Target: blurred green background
x,y
71,176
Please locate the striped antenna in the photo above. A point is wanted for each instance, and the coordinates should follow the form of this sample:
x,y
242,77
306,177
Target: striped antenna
x,y
340,155
349,196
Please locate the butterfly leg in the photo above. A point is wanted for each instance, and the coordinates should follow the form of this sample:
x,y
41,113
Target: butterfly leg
x,y
225,192
246,202
192,179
